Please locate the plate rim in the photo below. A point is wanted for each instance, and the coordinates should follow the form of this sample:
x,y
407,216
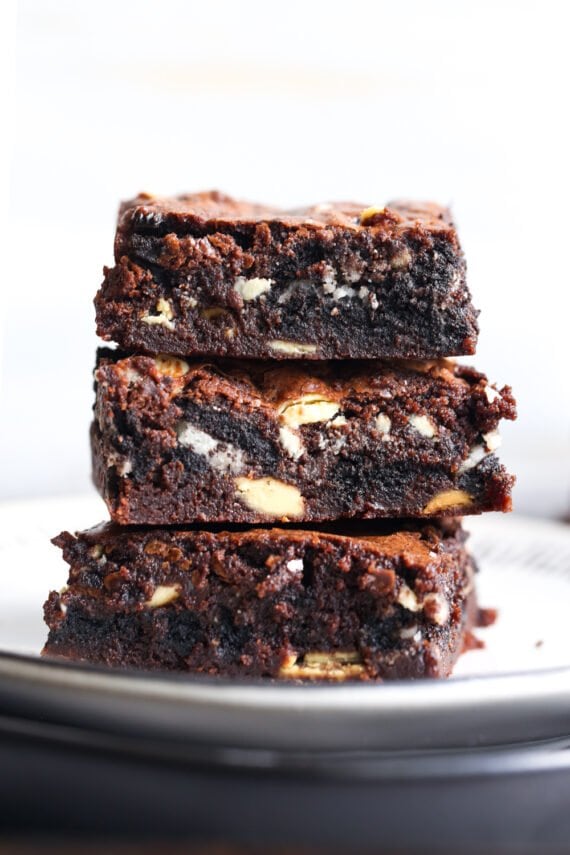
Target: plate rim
x,y
190,684
517,710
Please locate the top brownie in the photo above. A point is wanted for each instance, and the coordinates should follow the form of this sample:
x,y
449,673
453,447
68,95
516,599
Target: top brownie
x,y
207,275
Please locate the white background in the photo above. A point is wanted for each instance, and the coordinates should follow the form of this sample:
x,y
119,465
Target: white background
x,y
289,103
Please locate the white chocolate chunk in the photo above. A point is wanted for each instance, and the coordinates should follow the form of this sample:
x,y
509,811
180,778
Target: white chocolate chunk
x,y
344,291
295,565
293,348
308,410
338,665
338,421
162,595
320,658
250,289
291,442
270,497
369,213
131,376
447,499
436,608
159,321
164,307
164,316
383,423
423,425
408,599
172,366
402,260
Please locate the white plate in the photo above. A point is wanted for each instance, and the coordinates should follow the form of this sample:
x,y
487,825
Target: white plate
x,y
515,690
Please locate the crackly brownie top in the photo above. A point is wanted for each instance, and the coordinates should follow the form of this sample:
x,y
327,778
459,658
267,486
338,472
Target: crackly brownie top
x,y
413,544
211,211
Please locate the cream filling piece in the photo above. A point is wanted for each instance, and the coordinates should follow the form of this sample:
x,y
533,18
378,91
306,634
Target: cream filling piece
x,y
223,457
291,442
337,291
492,442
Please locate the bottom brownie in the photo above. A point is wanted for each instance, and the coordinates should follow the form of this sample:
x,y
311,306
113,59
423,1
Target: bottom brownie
x,y
384,601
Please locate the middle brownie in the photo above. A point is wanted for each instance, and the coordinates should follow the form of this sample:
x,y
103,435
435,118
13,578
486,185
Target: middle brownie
x,y
178,442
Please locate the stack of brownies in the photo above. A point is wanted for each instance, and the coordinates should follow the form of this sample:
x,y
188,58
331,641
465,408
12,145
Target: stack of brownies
x,y
283,446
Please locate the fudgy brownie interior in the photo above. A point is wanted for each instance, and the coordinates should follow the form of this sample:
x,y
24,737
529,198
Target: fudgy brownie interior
x,y
205,274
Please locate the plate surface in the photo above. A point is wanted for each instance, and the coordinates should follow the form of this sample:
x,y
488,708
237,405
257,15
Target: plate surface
x,y
513,692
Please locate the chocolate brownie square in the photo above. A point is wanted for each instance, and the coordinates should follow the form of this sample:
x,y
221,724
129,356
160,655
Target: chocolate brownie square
x,y
385,601
176,441
206,275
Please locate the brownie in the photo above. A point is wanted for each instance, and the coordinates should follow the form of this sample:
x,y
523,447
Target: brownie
x,y
176,441
386,600
206,275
